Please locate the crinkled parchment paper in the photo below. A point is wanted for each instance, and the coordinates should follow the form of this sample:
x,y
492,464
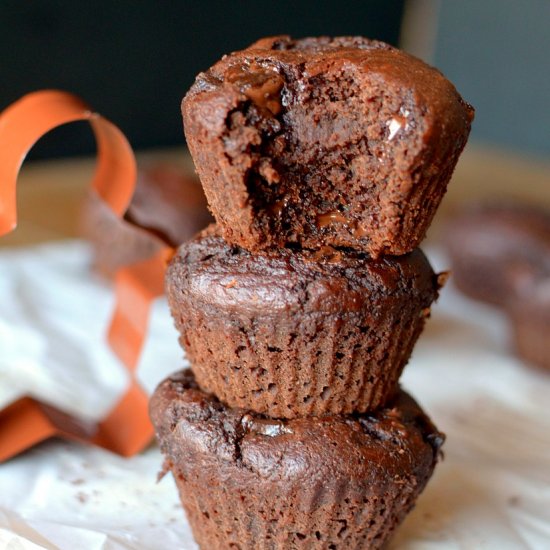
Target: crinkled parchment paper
x,y
492,491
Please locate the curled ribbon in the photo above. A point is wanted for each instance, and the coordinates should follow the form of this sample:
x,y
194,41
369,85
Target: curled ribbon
x,y
126,430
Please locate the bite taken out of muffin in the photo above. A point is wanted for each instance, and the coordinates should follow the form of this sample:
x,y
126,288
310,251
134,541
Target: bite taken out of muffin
x,y
344,142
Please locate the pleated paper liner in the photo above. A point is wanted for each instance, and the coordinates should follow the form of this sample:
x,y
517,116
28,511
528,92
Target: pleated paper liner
x,y
126,430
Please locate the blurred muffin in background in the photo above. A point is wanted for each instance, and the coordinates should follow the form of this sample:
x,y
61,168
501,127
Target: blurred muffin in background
x,y
490,244
168,206
530,317
500,254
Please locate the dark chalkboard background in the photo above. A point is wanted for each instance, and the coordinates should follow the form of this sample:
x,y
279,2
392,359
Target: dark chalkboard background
x,y
132,61
497,52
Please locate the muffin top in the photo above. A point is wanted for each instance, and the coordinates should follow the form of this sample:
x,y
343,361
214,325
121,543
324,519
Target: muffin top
x,y
395,442
269,72
211,272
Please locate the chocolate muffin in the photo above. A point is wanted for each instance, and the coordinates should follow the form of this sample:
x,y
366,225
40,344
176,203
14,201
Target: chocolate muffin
x,y
494,247
293,332
324,141
249,482
529,313
168,203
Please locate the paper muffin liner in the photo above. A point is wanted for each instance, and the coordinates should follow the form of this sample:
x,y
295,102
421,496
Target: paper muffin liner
x,y
222,518
315,365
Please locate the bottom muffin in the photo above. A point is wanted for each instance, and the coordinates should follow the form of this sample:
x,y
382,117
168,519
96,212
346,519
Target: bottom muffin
x,y
333,482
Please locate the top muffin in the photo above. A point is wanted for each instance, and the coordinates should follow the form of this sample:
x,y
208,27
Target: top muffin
x,y
346,142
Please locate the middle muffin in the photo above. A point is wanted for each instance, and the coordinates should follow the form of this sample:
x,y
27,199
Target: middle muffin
x,y
294,333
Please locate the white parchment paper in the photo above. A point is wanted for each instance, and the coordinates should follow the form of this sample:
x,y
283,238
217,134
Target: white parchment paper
x,y
492,491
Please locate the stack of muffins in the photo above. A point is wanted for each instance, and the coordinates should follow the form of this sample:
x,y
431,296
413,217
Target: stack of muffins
x,y
323,161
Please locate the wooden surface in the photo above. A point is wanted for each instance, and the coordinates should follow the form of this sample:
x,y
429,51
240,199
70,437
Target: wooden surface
x,y
50,193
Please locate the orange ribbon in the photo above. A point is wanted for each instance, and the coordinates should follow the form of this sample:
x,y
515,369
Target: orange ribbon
x,y
126,430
